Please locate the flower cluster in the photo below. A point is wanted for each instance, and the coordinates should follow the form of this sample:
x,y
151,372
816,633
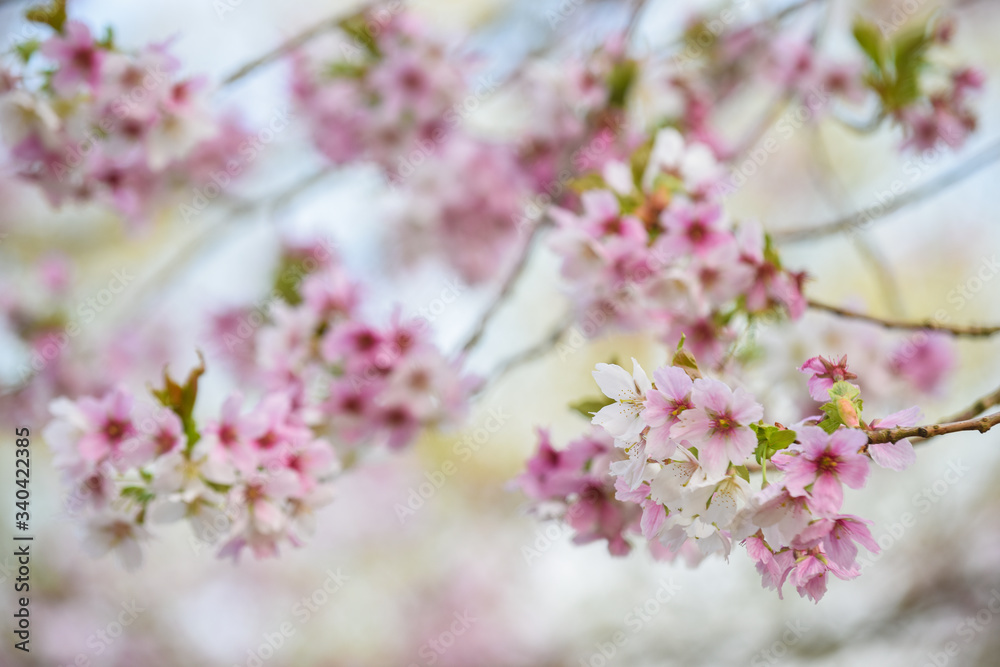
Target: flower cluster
x,y
659,250
577,119
395,93
928,98
360,381
475,227
255,477
895,370
88,122
678,472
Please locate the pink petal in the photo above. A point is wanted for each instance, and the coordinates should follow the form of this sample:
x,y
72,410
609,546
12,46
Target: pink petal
x,y
896,456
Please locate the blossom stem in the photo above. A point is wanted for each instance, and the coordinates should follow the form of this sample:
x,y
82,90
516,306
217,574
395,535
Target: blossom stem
x,y
933,325
981,424
861,219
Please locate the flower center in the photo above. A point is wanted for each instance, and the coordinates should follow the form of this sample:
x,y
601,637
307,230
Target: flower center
x,y
827,463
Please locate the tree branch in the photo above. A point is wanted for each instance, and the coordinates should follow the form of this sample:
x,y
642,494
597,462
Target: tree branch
x,y
973,165
977,408
506,289
971,331
289,45
537,350
982,424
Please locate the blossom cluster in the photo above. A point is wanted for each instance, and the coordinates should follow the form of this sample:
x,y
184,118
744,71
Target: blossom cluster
x,y
394,91
87,122
253,478
671,467
659,250
896,370
930,99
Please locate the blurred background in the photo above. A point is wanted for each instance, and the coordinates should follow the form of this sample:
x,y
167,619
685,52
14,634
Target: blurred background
x,y
471,578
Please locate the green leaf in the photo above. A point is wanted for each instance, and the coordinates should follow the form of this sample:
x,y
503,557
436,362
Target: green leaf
x,y
640,160
26,49
588,406
52,15
686,360
620,81
346,70
782,438
592,181
141,495
770,441
844,407
181,399
870,39
909,60
742,472
357,27
108,41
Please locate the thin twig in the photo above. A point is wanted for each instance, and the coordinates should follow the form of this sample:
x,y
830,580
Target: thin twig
x,y
874,258
933,325
633,20
983,424
189,251
973,165
979,407
289,45
539,349
506,289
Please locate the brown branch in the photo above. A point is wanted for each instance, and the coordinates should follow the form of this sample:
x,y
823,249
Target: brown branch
x,y
977,408
932,325
982,424
861,218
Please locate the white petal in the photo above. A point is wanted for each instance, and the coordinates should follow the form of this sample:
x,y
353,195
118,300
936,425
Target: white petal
x,y
620,420
615,382
640,378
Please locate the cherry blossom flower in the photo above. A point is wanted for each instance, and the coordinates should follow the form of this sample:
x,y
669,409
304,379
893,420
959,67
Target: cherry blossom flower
x,y
925,360
824,462
898,455
839,536
113,532
77,57
824,374
718,424
622,419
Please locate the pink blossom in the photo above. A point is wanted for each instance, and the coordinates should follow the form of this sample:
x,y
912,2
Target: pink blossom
x,y
839,536
553,473
110,427
77,56
898,455
595,515
773,567
926,360
825,461
399,424
663,407
718,424
228,439
825,373
310,461
697,229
